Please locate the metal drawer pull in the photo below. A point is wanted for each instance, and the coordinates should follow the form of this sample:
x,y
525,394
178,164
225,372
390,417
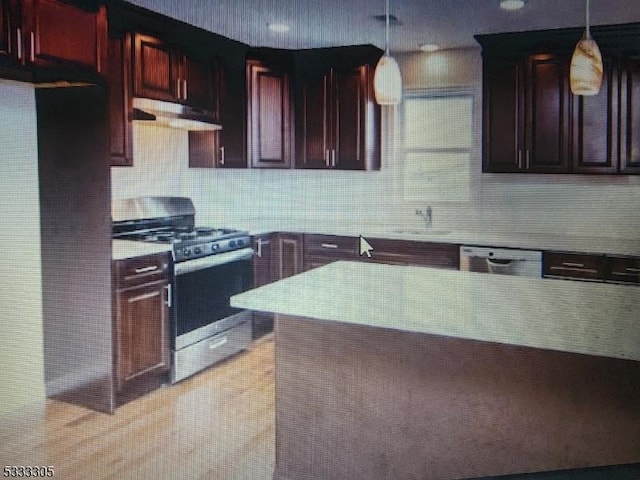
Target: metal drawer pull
x,y
218,343
625,274
221,155
33,47
573,265
146,269
632,270
329,245
581,269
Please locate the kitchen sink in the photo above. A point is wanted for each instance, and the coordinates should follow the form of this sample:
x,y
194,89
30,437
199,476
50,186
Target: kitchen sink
x,y
421,231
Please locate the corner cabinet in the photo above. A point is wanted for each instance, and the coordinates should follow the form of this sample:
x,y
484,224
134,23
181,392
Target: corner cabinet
x,y
269,127
532,123
337,119
142,300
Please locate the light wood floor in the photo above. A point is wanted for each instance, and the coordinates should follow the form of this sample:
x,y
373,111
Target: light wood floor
x,y
217,425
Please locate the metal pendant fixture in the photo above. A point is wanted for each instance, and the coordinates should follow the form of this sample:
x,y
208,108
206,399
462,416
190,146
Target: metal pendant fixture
x,y
387,81
586,65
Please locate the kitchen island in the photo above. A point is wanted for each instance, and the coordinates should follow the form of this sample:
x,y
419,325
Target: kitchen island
x,y
391,372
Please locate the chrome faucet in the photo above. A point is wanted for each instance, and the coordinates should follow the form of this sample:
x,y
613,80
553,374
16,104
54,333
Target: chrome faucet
x,y
427,215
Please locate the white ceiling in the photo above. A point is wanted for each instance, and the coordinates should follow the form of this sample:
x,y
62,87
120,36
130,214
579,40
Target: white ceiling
x,y
321,23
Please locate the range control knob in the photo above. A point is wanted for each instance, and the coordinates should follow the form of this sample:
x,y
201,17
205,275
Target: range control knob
x,y
240,242
215,247
197,250
232,244
186,252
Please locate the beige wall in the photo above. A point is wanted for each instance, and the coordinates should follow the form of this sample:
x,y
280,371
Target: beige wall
x,y
21,350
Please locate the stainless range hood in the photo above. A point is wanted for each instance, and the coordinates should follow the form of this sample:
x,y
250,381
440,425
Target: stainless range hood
x,y
173,115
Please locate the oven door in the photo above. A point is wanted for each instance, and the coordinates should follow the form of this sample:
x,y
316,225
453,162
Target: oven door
x,y
202,291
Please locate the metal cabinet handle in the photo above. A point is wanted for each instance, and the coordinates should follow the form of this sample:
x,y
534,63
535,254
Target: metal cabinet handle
x,y
221,155
184,89
169,302
259,252
329,245
19,42
632,270
573,265
146,269
326,157
218,343
33,46
527,159
333,157
519,159
178,90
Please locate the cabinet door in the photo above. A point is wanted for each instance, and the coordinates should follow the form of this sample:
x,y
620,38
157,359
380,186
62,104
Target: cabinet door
x,y
290,255
62,34
232,139
269,117
630,116
348,118
547,142
314,136
198,88
10,50
142,332
156,72
118,77
595,126
503,116
265,262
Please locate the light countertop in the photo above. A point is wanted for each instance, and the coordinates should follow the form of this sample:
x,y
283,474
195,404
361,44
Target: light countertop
x,y
579,317
604,244
122,249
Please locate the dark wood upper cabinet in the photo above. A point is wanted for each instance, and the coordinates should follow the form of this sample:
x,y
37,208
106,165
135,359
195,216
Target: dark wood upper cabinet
x,y
337,120
269,129
156,72
164,72
58,34
595,126
526,114
54,39
630,115
533,123
10,49
199,88
547,114
117,75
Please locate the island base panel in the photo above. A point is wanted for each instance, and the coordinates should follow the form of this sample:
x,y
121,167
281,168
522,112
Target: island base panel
x,y
360,402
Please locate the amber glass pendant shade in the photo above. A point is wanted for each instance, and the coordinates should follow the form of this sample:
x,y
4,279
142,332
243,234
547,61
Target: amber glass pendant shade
x,y
586,68
586,64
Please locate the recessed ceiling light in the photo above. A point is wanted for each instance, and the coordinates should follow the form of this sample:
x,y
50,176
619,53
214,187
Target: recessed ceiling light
x,y
511,4
429,47
278,27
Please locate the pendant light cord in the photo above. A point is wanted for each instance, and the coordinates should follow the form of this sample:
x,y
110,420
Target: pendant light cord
x,y
588,27
386,41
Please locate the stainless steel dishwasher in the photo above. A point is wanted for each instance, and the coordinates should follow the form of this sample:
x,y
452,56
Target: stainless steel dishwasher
x,y
504,261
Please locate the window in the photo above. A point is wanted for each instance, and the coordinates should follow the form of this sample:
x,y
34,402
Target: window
x,y
438,146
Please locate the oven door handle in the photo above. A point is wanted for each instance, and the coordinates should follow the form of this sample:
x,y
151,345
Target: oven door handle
x,y
213,260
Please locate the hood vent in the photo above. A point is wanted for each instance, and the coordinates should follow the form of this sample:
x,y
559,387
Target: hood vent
x,y
173,115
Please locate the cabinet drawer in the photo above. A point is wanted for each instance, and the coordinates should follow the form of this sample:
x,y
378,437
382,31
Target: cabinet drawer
x,y
574,265
623,270
342,248
139,270
405,252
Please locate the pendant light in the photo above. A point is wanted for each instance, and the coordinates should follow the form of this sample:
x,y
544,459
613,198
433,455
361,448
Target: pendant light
x,y
586,65
387,82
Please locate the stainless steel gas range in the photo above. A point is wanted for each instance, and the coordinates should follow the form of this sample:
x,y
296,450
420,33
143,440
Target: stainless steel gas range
x,y
210,266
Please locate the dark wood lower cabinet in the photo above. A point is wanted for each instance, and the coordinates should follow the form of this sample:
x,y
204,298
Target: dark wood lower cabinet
x,y
592,267
277,256
142,351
